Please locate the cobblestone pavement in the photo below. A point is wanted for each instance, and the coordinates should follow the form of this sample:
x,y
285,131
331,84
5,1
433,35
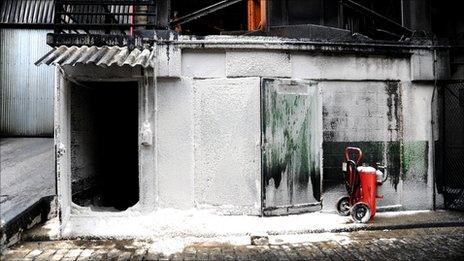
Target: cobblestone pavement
x,y
406,244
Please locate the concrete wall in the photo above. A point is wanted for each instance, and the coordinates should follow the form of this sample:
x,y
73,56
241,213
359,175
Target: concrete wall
x,y
227,144
372,101
83,143
208,138
174,143
381,104
207,122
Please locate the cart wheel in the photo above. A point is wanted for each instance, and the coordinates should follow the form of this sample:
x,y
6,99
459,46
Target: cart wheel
x,y
360,212
343,206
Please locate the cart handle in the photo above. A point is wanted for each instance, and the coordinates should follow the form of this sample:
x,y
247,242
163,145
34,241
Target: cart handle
x,y
354,149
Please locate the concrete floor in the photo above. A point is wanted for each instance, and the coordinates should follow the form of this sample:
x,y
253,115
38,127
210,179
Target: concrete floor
x,y
27,173
403,244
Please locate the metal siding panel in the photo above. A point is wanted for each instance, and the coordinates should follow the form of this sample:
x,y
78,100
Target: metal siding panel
x,y
2,11
26,90
16,12
8,9
26,11
51,12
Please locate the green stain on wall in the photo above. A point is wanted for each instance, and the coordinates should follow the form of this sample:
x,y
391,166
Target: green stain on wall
x,y
415,160
288,129
406,160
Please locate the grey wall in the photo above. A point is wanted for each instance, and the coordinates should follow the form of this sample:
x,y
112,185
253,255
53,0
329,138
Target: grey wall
x,y
206,121
83,143
207,140
367,115
26,91
227,144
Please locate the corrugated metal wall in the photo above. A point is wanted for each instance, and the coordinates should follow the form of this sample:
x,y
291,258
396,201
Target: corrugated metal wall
x,y
26,101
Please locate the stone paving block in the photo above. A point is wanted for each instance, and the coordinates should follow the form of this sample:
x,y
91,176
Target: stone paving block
x,y
251,252
59,254
85,255
99,254
162,258
151,255
215,254
457,243
327,250
176,257
267,253
124,256
202,254
291,251
318,253
138,254
46,255
305,252
228,254
349,252
113,253
72,254
434,244
33,254
18,254
279,252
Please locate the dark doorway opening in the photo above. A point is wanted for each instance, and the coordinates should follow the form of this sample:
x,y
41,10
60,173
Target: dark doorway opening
x,y
104,145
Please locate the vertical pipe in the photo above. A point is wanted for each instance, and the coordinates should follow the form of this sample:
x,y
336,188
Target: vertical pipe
x,y
251,15
434,179
340,15
402,13
257,14
263,8
131,20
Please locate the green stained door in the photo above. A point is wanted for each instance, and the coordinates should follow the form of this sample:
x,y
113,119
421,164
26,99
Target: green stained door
x,y
291,139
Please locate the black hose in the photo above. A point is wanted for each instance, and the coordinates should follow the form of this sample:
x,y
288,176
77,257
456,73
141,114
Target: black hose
x,y
351,187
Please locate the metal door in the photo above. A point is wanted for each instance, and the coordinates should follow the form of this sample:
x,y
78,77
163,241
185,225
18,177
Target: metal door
x,y
451,178
291,154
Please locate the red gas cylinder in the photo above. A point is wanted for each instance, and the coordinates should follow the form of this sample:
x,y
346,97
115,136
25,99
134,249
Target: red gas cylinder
x,y
368,177
361,184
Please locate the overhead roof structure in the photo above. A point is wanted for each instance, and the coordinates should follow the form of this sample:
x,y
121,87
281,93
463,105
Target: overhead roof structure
x,y
101,56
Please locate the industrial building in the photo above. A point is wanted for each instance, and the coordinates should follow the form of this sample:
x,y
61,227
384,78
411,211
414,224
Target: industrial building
x,y
245,107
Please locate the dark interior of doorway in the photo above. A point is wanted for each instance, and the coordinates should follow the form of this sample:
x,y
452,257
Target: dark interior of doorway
x,y
104,145
230,19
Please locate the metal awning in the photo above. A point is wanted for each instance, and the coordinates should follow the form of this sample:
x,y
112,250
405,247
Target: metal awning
x,y
101,56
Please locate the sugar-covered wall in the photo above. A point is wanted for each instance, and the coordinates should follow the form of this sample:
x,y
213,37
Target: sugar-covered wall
x,y
208,137
368,101
381,104
227,144
206,122
174,143
372,101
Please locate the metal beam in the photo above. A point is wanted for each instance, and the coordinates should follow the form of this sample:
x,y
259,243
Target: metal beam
x,y
370,13
55,39
205,11
100,2
26,25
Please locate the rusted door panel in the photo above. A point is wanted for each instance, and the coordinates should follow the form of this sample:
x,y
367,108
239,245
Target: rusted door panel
x,y
291,171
